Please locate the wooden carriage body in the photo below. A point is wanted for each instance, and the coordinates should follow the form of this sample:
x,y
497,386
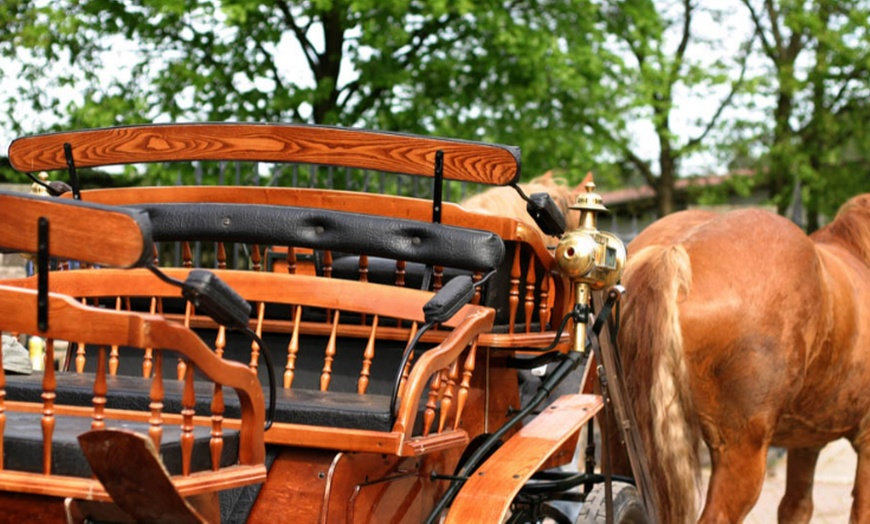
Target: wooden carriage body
x,y
374,405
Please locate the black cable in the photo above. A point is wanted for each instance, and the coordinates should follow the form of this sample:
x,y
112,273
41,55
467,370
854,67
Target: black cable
x,y
267,356
571,361
405,356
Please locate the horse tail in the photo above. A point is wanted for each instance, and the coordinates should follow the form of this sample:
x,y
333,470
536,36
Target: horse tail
x,y
651,345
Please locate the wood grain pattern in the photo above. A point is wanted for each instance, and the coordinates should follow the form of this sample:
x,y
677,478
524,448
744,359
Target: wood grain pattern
x,y
89,235
381,151
487,494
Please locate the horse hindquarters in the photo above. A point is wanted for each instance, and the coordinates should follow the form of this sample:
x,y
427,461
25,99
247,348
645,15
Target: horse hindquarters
x,y
657,377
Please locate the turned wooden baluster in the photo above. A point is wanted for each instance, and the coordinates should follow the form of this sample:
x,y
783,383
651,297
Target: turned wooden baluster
x,y
449,391
186,255
400,273
113,354
157,394
80,350
100,391
49,388
292,350
477,277
467,371
368,357
437,278
181,367
216,443
544,307
326,376
400,281
530,295
221,256
514,300
261,313
291,260
429,413
407,370
188,403
147,359
2,406
327,264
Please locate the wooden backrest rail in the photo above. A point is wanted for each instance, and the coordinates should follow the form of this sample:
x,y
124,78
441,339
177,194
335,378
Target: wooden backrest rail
x,y
363,149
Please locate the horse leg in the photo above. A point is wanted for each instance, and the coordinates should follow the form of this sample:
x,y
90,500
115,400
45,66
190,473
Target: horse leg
x,y
736,479
796,505
861,490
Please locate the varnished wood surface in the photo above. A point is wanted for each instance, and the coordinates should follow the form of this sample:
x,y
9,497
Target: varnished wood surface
x,y
392,152
487,494
97,236
70,320
142,487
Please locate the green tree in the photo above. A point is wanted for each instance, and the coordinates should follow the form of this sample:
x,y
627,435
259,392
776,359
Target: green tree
x,y
818,57
485,70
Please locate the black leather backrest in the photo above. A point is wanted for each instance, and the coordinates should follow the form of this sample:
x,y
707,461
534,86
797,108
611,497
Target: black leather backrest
x,y
401,239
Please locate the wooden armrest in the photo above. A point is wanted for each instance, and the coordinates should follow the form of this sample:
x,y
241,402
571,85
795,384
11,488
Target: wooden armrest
x,y
392,152
81,231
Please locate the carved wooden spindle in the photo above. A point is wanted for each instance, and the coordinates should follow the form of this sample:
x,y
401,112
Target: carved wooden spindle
x,y
188,403
431,402
181,367
100,391
530,296
544,306
221,256
407,370
147,359
363,268
327,264
368,357
156,395
291,260
49,388
477,277
256,260
186,255
80,350
462,395
255,348
292,350
447,400
216,443
220,341
514,300
437,277
113,354
2,407
400,273
326,376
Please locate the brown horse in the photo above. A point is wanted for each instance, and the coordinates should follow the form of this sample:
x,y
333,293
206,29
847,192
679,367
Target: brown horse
x,y
504,201
741,329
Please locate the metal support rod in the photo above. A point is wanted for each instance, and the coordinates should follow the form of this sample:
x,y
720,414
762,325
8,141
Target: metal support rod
x,y
42,259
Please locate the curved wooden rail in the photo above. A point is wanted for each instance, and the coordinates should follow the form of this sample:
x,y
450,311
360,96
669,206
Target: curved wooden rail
x,y
382,151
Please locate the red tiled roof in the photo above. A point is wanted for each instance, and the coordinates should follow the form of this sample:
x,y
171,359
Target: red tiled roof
x,y
634,194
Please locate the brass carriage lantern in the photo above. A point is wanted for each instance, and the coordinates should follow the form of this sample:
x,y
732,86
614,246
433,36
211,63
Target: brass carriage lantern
x,y
592,259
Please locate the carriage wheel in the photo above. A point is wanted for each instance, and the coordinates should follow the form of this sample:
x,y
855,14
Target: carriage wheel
x,y
627,506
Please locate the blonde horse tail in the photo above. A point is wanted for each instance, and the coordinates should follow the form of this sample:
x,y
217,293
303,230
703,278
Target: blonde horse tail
x,y
657,376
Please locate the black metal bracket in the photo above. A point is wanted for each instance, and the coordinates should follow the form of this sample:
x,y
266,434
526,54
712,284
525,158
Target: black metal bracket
x,y
73,174
438,187
42,263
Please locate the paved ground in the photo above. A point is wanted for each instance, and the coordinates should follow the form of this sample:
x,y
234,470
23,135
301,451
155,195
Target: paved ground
x,y
832,494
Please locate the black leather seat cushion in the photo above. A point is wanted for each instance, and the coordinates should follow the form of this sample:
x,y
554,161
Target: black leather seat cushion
x,y
23,445
296,406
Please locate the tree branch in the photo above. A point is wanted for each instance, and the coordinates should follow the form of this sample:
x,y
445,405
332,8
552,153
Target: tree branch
x,y
308,49
769,50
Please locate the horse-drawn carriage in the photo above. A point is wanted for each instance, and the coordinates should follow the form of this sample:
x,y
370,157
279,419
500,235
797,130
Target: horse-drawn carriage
x,y
317,355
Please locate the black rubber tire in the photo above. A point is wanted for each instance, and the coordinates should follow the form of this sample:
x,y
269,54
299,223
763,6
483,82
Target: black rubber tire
x,y
627,506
